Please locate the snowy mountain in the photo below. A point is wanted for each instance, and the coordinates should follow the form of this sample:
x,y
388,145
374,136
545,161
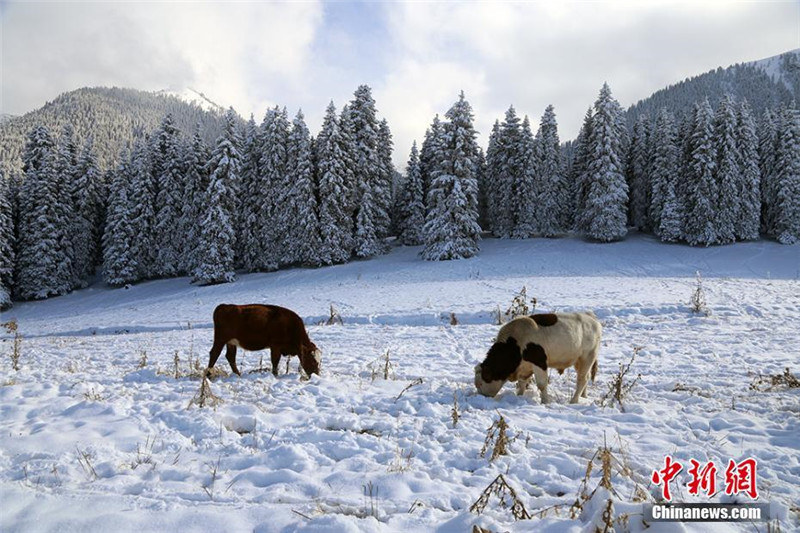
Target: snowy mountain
x,y
783,68
5,117
767,83
110,115
193,97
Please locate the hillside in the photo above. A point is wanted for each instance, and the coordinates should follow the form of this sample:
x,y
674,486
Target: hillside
x,y
99,430
767,83
110,115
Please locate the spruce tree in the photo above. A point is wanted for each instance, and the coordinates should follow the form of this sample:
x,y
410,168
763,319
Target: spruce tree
x,y
215,261
385,181
786,211
6,244
44,262
604,215
670,227
64,210
274,190
119,260
412,203
250,206
349,156
142,196
579,185
767,144
302,238
726,171
509,174
525,190
551,185
166,163
639,173
491,181
368,174
749,182
196,178
88,206
451,228
335,223
664,175
702,193
428,151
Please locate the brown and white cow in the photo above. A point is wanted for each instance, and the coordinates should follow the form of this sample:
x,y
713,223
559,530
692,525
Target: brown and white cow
x,y
256,327
529,345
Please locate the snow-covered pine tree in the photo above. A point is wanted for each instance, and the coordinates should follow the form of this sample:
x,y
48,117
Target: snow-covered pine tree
x,y
66,172
6,244
166,163
274,189
215,260
509,174
451,228
44,262
491,180
385,178
578,181
428,151
142,197
670,227
701,190
787,179
483,216
195,180
119,260
551,184
664,175
335,223
767,144
412,210
525,212
604,216
87,200
250,207
367,174
349,156
302,237
726,170
748,221
639,173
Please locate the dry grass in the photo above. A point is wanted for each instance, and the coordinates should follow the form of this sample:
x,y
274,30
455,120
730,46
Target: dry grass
x,y
519,305
506,494
497,434
619,388
417,381
205,396
454,412
784,381
334,318
16,349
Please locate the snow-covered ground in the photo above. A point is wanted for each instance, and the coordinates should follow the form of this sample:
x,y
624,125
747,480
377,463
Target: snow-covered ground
x,y
96,437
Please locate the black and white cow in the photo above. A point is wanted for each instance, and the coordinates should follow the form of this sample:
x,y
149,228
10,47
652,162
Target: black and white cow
x,y
527,346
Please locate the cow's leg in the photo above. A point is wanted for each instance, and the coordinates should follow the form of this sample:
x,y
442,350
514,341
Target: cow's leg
x,y
540,374
230,355
522,385
275,355
592,365
582,368
213,355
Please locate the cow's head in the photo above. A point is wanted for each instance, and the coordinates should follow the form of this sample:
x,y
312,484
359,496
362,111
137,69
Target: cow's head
x,y
311,358
501,361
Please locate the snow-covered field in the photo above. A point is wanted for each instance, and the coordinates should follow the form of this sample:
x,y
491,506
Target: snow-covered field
x,y
96,438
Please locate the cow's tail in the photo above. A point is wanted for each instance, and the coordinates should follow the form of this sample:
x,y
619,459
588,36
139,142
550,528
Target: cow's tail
x,y
594,370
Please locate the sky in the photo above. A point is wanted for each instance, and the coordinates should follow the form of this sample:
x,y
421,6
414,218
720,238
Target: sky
x,y
417,56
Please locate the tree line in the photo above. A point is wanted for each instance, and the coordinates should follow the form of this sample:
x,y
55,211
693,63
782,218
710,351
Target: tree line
x,y
270,195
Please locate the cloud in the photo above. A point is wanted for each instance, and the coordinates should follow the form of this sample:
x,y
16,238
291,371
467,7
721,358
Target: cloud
x,y
236,52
